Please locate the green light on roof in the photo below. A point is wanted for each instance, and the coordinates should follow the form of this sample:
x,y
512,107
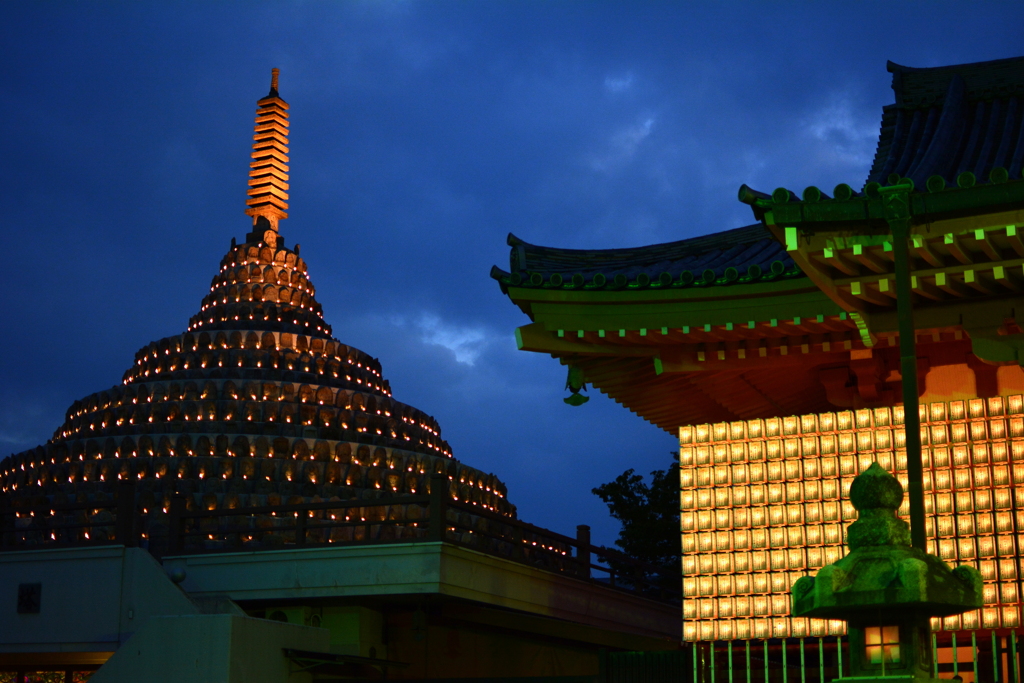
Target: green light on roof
x,y
791,242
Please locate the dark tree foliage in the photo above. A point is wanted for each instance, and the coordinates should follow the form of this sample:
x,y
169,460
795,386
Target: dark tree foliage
x,y
649,514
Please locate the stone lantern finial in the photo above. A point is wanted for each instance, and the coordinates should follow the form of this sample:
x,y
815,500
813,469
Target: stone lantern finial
x,y
877,495
886,590
268,172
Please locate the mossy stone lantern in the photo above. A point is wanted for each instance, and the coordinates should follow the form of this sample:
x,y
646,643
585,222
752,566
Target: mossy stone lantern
x,y
886,590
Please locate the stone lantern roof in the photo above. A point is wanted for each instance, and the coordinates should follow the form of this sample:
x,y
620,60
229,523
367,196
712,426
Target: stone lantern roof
x,y
883,572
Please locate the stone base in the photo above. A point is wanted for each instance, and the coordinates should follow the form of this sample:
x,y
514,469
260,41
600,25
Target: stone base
x,y
900,678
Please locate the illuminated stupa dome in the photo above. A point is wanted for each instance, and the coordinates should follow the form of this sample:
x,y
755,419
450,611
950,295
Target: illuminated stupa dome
x,y
255,403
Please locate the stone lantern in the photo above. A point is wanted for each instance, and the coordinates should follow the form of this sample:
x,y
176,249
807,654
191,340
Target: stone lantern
x,y
886,590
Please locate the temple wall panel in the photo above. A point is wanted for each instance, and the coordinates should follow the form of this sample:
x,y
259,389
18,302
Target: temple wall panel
x,y
765,502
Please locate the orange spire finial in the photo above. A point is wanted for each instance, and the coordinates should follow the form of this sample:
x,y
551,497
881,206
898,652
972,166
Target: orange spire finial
x,y
268,172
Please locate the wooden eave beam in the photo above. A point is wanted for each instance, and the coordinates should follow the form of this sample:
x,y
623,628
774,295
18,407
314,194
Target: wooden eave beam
x,y
927,289
952,244
975,280
983,242
953,280
923,251
869,259
834,258
1007,279
1014,240
867,291
794,356
824,282
953,285
642,324
534,337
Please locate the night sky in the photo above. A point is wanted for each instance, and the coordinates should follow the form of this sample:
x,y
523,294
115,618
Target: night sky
x,y
421,134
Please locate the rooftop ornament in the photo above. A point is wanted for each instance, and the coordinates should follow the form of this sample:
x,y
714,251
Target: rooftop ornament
x,y
886,590
574,383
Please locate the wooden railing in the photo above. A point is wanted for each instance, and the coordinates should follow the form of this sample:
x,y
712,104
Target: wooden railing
x,y
177,530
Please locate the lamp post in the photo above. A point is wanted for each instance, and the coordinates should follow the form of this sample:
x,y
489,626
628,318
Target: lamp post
x,y
896,207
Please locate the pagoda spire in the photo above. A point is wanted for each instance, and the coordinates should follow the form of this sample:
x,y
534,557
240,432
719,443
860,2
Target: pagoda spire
x,y
268,172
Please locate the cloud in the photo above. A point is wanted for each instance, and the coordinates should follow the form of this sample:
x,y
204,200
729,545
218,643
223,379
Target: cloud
x,y
845,133
18,438
623,145
618,84
467,343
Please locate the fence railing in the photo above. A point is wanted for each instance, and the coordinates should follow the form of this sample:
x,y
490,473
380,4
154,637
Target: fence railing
x,y
975,656
181,527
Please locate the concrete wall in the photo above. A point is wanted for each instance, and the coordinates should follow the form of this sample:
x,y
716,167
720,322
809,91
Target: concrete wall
x,y
412,569
354,630
211,648
440,647
92,599
447,611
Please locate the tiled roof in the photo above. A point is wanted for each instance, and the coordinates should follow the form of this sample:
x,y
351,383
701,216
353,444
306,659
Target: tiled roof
x,y
742,255
953,119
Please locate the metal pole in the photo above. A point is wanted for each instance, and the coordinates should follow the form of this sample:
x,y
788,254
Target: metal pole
x,y
1014,664
821,659
839,652
956,664
995,659
785,662
974,652
896,202
583,549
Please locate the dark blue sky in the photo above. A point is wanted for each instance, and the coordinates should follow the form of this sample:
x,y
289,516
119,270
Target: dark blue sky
x,y
422,133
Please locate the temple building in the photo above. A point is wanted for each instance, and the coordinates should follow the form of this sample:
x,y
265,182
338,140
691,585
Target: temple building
x,y
250,496
773,351
254,398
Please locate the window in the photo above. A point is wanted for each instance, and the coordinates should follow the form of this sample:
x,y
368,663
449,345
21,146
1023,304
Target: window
x,y
882,644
